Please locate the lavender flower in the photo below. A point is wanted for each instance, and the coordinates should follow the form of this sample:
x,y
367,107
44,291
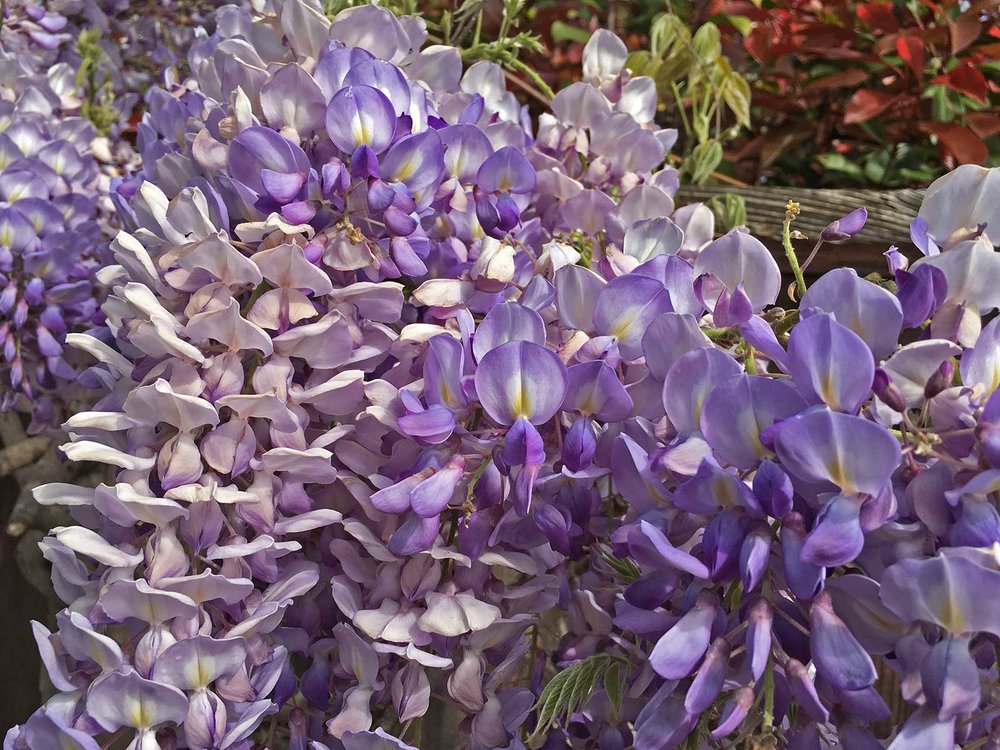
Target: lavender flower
x,y
397,391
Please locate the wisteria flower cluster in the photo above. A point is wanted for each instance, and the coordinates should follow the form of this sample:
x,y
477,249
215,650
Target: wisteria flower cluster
x,y
431,430
50,223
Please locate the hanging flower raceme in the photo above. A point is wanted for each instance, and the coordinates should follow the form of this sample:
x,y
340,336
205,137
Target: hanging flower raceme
x,y
49,242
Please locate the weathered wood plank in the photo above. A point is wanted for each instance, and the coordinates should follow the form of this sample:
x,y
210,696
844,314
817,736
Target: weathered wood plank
x,y
889,211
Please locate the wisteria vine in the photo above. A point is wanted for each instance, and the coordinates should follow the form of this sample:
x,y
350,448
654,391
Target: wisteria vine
x,y
433,427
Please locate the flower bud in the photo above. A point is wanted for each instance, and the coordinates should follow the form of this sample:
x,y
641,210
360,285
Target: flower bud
x,y
887,391
754,554
153,643
179,461
838,656
804,579
165,556
758,638
734,712
804,691
494,268
579,445
846,226
896,260
773,489
940,380
411,692
707,683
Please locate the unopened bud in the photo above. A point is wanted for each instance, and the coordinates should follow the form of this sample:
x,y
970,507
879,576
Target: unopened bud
x,y
887,391
494,268
940,380
846,226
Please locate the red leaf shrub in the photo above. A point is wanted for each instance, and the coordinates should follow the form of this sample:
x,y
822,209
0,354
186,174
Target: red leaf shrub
x,y
893,94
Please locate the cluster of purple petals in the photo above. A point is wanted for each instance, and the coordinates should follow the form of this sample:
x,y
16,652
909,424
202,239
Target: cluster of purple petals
x,y
50,232
32,34
40,38
411,406
150,38
141,43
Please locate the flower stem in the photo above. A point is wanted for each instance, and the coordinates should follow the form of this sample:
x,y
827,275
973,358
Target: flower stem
x,y
791,211
769,696
535,78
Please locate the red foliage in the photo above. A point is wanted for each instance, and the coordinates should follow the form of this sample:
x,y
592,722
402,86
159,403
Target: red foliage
x,y
866,76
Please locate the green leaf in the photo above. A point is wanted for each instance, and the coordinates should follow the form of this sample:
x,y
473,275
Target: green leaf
x,y
924,174
642,63
614,685
564,32
626,569
730,210
876,165
666,30
670,44
569,690
839,163
735,91
741,23
703,161
707,43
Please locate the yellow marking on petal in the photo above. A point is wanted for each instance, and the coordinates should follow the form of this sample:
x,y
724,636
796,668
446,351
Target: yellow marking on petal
x,y
838,475
361,133
201,675
621,329
950,617
698,405
504,184
522,402
859,327
447,397
137,714
828,391
6,238
406,170
724,493
995,382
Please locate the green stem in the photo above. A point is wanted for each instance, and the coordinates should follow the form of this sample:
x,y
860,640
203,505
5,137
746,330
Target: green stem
x,y
812,254
255,295
479,28
793,261
474,479
719,334
680,108
769,696
786,323
535,78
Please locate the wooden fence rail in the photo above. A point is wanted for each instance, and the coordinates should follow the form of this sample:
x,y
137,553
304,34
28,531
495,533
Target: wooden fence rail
x,y
889,215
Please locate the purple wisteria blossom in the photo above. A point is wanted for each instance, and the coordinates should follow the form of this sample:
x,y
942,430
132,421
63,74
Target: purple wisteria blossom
x,y
412,406
50,221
